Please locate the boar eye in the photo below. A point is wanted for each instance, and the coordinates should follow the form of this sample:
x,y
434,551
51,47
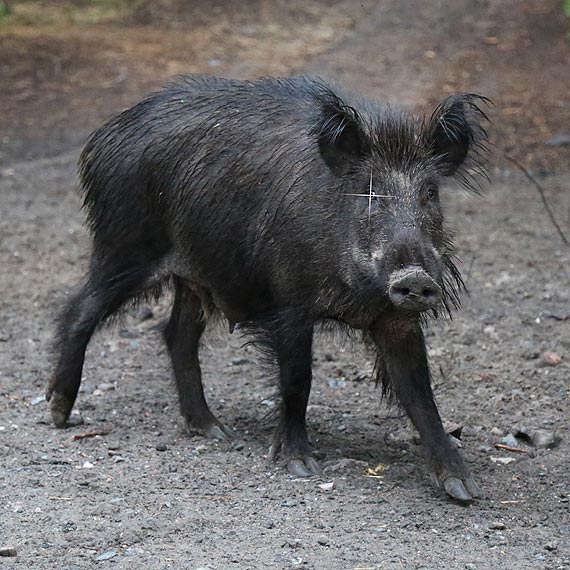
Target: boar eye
x,y
430,193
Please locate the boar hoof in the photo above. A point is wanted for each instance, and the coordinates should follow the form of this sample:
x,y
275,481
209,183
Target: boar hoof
x,y
60,408
219,432
463,491
305,467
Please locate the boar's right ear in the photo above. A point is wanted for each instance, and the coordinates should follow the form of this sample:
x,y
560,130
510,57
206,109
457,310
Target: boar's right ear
x,y
455,133
341,137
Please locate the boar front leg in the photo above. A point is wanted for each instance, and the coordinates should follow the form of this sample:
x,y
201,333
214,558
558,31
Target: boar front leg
x,y
403,356
295,361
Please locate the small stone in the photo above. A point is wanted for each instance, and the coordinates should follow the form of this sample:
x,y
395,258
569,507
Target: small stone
x,y
497,431
510,440
491,332
549,359
8,551
503,460
544,439
106,556
470,566
88,465
551,546
336,382
326,486
106,387
38,400
161,447
497,526
323,541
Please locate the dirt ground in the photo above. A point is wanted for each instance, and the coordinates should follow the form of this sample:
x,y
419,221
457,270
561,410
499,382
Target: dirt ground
x,y
143,493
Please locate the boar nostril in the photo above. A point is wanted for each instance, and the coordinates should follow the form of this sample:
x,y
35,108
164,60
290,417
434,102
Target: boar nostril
x,y
413,289
404,291
429,293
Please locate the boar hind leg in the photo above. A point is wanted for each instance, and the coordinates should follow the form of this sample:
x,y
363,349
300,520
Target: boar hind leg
x,y
295,358
403,352
106,289
182,335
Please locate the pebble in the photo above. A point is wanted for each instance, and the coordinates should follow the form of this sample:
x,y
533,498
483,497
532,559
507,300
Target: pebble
x,y
470,566
503,460
336,382
497,431
544,439
497,526
327,486
539,437
38,400
550,546
106,387
491,332
549,359
7,551
161,447
106,556
510,440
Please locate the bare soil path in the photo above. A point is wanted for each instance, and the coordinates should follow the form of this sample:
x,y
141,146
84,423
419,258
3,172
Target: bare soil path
x,y
143,493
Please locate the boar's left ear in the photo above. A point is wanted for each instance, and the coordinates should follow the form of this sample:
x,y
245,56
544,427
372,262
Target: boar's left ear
x,y
341,136
454,132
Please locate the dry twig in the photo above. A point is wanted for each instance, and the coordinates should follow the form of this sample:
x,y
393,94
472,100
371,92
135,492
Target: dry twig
x,y
79,436
542,196
510,448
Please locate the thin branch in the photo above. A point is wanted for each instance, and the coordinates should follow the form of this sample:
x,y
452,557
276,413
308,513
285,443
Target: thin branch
x,y
542,196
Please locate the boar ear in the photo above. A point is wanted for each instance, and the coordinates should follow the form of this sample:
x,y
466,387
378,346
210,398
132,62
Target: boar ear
x,y
455,133
341,137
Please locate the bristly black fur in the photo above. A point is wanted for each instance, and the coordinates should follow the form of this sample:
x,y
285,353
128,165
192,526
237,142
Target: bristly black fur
x,y
283,205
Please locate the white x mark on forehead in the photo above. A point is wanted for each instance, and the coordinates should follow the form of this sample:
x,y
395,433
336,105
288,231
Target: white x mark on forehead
x,y
371,194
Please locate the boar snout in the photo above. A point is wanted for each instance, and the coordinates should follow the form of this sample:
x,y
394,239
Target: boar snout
x,y
412,289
